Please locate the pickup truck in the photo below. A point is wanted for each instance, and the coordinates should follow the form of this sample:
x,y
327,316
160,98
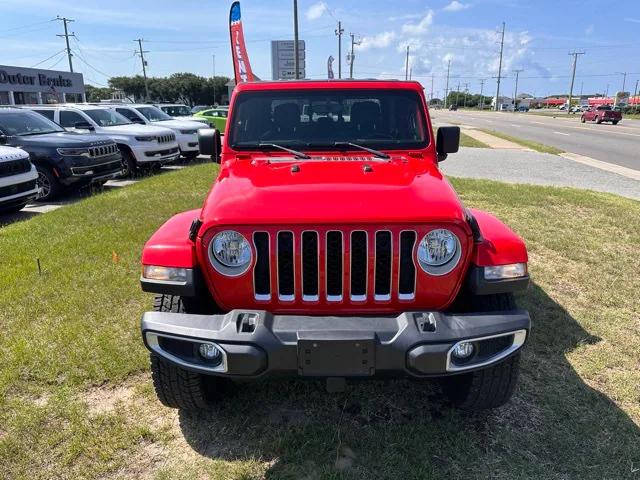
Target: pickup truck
x,y
601,113
332,246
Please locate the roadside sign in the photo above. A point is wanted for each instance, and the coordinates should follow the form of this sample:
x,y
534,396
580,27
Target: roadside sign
x,y
283,59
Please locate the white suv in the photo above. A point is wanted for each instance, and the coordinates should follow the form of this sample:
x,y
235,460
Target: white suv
x,y
141,145
182,112
186,130
17,179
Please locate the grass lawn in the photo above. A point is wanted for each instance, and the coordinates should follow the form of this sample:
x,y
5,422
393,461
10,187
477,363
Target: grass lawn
x,y
76,400
539,147
467,141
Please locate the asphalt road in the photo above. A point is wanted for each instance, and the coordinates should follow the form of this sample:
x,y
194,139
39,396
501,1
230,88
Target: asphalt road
x,y
616,144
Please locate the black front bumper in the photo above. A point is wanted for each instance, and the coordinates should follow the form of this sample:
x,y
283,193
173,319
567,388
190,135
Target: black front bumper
x,y
255,343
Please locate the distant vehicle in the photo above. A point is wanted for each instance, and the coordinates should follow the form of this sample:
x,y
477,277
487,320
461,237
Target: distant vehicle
x,y
506,107
141,145
199,108
576,109
562,107
453,108
217,117
522,108
178,110
186,130
602,113
17,179
584,108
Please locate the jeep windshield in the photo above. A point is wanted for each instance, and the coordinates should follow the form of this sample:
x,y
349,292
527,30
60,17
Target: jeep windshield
x,y
323,119
107,117
26,123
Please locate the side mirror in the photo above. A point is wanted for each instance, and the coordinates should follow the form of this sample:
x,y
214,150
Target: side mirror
x,y
3,139
448,141
138,121
210,143
83,126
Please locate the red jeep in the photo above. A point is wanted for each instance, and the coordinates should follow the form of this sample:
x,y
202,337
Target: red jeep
x,y
332,246
601,113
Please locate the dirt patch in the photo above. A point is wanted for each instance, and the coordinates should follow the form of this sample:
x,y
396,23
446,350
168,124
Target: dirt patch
x,y
105,398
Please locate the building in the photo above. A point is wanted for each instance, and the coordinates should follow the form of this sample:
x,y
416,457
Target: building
x,y
21,85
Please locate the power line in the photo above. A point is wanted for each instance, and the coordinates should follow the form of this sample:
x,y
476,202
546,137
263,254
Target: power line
x,y
48,58
66,36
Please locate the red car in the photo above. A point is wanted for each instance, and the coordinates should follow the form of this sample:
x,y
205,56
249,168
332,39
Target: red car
x,y
332,246
601,113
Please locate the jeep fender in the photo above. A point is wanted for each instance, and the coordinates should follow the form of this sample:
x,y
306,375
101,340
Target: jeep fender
x,y
499,245
170,245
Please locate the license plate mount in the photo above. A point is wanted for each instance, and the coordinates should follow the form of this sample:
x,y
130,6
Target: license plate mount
x,y
337,354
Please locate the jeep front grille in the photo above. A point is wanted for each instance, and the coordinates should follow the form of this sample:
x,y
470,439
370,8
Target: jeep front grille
x,y
103,150
334,266
170,137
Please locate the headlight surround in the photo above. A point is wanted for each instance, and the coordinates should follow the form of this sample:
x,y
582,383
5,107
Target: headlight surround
x,y
189,132
439,251
502,272
230,253
75,152
146,138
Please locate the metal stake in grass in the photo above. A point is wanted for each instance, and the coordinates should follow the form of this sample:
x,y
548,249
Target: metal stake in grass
x,y
39,267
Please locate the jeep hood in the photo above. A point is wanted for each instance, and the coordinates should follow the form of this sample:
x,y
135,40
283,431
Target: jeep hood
x,y
61,139
135,129
179,124
336,191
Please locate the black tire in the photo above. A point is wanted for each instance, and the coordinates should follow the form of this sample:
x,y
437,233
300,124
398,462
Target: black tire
x,y
615,122
129,164
490,387
49,185
582,119
598,120
177,387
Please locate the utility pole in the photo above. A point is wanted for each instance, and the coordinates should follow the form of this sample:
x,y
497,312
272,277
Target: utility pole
x,y
606,93
446,91
457,92
339,32
635,97
581,87
214,78
481,93
624,79
352,56
66,36
296,60
432,86
515,92
573,77
144,68
500,69
406,65
466,90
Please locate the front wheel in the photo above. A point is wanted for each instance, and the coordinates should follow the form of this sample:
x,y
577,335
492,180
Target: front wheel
x,y
129,164
598,120
615,122
582,119
177,387
48,184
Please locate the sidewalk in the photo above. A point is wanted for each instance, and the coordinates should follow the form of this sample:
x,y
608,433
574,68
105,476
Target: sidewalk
x,y
492,141
536,168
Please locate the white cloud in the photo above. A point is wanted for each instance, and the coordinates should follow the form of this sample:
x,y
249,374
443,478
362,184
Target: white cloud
x,y
316,10
456,6
382,40
418,28
589,30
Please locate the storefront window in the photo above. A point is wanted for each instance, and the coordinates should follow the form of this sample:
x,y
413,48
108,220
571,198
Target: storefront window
x,y
25,98
4,98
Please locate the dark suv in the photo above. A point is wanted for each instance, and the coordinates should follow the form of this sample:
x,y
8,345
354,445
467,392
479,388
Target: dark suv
x,y
63,159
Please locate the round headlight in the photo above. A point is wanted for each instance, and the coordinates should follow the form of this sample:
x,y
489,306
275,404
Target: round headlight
x,y
231,250
439,251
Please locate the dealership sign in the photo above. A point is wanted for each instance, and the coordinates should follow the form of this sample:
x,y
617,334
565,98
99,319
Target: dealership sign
x,y
283,59
21,79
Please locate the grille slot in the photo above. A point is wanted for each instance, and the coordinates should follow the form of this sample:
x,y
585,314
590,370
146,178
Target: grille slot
x,y
383,266
286,275
14,167
310,266
358,266
407,274
261,272
334,266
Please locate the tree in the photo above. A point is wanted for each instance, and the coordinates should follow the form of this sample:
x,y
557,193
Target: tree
x,y
95,94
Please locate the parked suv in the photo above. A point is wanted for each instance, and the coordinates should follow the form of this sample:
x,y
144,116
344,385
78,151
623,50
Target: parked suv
x,y
140,145
332,246
182,112
186,131
17,179
63,159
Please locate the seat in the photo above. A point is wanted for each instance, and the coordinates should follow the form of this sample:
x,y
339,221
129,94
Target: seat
x,y
366,118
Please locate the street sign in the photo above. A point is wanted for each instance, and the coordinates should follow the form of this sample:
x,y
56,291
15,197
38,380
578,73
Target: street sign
x,y
283,59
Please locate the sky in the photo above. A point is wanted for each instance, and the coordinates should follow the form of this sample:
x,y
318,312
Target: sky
x,y
185,35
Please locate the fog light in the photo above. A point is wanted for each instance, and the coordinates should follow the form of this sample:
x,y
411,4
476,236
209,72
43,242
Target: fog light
x,y
209,351
463,350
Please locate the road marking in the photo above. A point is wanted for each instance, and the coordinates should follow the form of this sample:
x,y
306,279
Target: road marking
x,y
609,167
515,125
561,133
540,123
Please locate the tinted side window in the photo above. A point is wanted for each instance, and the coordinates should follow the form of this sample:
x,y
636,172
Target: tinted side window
x,y
130,114
69,119
47,113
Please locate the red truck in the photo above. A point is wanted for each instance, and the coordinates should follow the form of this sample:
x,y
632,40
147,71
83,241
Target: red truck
x,y
331,246
601,113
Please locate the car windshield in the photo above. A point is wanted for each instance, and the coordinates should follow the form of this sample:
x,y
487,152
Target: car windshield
x,y
107,117
604,107
177,110
379,119
26,123
153,114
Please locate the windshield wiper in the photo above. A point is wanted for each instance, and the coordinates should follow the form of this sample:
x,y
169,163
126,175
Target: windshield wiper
x,y
377,153
295,153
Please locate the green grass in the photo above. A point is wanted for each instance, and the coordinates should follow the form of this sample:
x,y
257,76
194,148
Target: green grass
x,y
539,147
467,141
76,400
